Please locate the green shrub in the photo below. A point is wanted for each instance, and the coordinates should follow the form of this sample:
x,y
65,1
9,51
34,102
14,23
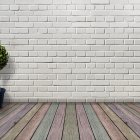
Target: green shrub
x,y
3,57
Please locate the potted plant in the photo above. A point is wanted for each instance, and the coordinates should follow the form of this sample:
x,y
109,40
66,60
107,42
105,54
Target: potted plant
x,y
3,62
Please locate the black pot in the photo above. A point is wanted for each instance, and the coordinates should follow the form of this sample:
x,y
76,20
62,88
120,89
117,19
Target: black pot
x,y
2,91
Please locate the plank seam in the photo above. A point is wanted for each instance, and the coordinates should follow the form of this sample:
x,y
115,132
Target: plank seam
x,y
64,122
100,121
112,121
123,121
77,121
41,120
28,122
52,121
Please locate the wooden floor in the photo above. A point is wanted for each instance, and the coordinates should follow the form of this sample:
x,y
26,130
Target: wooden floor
x,y
71,121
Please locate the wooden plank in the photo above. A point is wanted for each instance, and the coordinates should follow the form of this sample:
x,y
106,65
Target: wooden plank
x,y
57,126
6,108
133,125
4,105
5,113
43,129
128,114
112,130
136,104
10,123
128,133
131,110
70,131
97,128
84,127
30,128
12,114
136,108
21,124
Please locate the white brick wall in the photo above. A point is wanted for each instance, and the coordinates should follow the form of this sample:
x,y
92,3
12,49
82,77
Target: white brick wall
x,y
74,50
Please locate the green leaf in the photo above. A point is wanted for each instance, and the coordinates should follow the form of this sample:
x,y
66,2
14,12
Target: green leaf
x,y
3,57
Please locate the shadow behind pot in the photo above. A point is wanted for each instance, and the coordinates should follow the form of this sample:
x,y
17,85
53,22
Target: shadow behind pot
x,y
2,91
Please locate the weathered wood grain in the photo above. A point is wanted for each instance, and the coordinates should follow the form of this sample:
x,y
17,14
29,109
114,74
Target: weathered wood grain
x,y
26,121
10,123
44,127
84,127
112,130
129,114
6,107
133,125
12,114
57,126
136,104
136,108
5,113
97,128
131,110
128,133
70,131
5,104
22,123
30,128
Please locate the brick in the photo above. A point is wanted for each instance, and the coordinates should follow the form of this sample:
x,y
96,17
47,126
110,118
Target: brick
x,y
42,2
61,2
80,82
23,25
99,24
61,12
81,59
77,18
134,94
6,2
42,82
100,2
100,60
24,59
24,2
119,94
62,82
119,60
23,83
14,7
99,82
4,19
119,82
134,2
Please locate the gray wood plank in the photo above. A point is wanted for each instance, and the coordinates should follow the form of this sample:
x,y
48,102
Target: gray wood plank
x,y
10,123
128,113
97,128
42,131
127,132
12,134
12,114
132,124
6,107
131,110
5,113
135,107
136,104
70,131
